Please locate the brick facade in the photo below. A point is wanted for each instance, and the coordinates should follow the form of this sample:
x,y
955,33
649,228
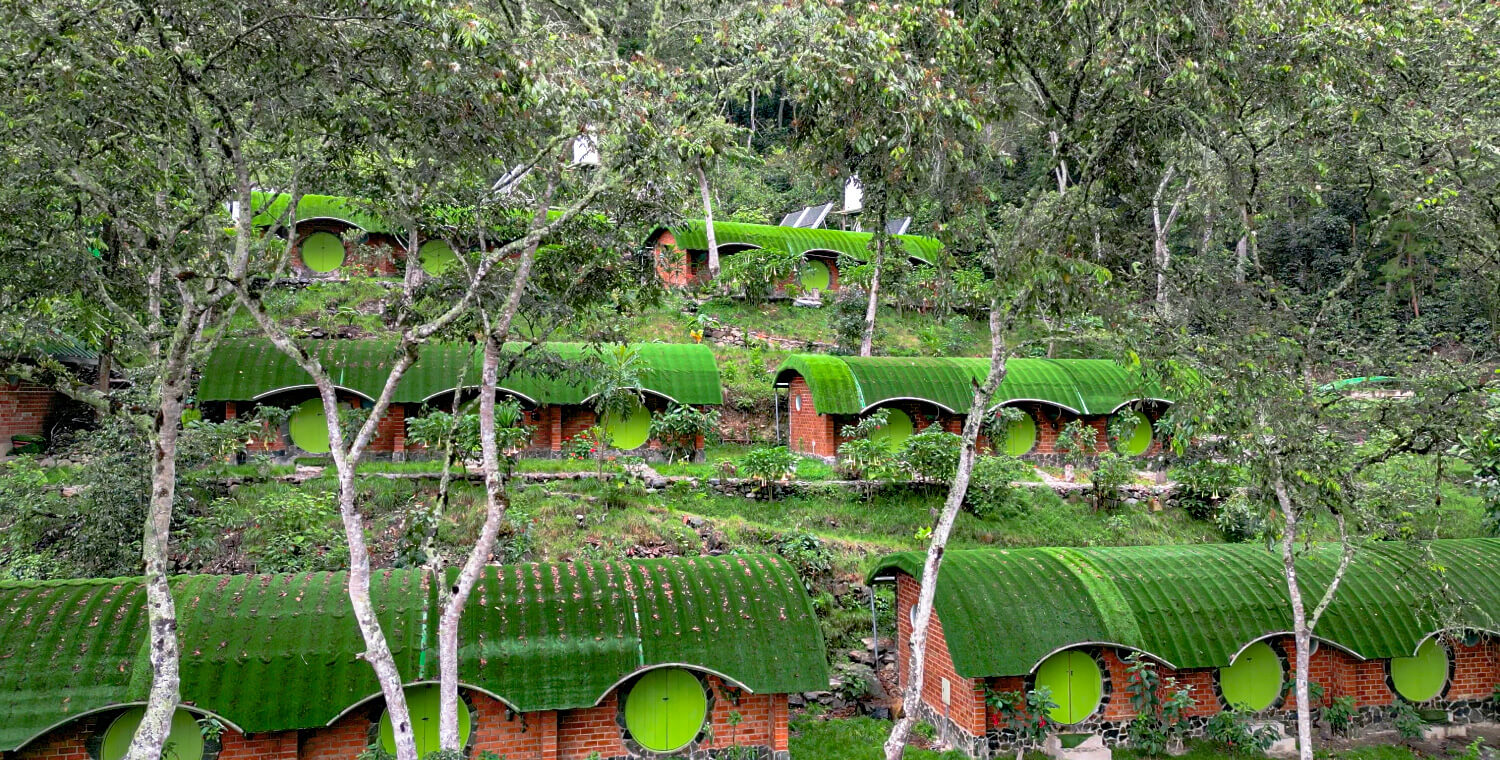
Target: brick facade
x,y
25,409
681,268
966,722
544,735
372,255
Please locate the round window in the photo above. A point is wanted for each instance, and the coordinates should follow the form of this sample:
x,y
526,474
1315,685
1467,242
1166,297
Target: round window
x,y
1137,436
1422,676
1020,436
423,703
665,709
322,252
1254,681
436,257
184,742
309,427
897,429
1076,683
815,274
629,430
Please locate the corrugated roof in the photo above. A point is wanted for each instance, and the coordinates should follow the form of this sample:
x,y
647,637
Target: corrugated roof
x,y
1197,606
744,617
280,652
270,208
692,234
245,369
852,384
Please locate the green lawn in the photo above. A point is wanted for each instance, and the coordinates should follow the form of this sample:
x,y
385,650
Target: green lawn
x,y
850,739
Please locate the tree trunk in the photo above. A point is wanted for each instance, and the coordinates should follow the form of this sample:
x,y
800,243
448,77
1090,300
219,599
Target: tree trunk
x,y
1160,229
911,701
708,223
455,598
161,610
867,336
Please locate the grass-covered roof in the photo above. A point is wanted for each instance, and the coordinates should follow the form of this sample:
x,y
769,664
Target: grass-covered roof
x,y
281,652
270,208
852,384
692,234
1198,606
556,373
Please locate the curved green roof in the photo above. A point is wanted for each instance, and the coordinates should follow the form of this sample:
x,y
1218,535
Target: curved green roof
x,y
1198,606
852,384
692,234
270,208
249,368
744,617
281,652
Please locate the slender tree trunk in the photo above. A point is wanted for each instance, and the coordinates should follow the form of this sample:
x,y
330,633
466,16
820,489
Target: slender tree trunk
x,y
872,306
708,223
161,610
911,701
1160,229
497,501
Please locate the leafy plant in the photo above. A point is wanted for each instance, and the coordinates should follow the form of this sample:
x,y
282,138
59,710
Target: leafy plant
x,y
861,457
1238,521
1201,485
766,464
925,730
1112,472
1077,443
808,554
996,427
1340,715
1160,720
295,531
932,455
758,272
679,427
992,489
581,447
854,680
1230,729
1406,720
1024,713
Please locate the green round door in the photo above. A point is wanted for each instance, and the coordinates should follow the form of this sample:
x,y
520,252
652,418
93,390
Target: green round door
x,y
897,429
184,742
1076,683
1421,677
308,427
424,705
322,252
1020,436
630,430
1138,440
436,257
1254,681
665,709
815,274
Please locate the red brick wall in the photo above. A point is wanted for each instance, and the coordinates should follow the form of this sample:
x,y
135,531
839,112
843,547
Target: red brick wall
x,y
377,255
345,739
23,410
281,745
965,695
672,263
1476,670
67,742
809,432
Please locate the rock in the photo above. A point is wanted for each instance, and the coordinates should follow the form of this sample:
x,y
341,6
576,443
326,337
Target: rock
x,y
1092,748
694,522
880,713
862,656
796,700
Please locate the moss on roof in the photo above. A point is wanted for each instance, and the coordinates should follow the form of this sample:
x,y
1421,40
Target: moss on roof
x,y
270,208
1197,606
852,384
281,652
557,373
692,234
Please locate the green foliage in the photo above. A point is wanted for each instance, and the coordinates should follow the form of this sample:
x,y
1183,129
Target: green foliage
x,y
1340,715
1482,450
926,731
808,554
295,531
758,272
1111,472
1202,484
680,425
848,320
583,446
1230,730
1406,720
931,455
1025,714
1238,521
992,492
854,680
1076,441
766,464
859,456
1161,707
857,738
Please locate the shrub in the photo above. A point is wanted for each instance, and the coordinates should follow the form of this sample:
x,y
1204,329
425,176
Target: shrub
x,y
932,455
1203,484
766,464
1407,721
1230,730
807,554
1237,521
1112,472
1024,713
992,492
1077,443
759,271
848,319
1340,715
295,531
854,681
1161,707
678,429
860,457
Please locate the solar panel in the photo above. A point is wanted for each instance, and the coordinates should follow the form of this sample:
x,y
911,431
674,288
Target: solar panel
x,y
897,226
812,217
